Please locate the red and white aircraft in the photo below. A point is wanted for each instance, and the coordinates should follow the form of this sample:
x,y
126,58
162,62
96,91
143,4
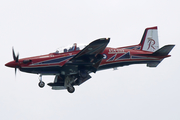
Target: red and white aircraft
x,y
73,65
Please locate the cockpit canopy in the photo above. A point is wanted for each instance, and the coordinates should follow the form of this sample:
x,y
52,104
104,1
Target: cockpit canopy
x,y
70,48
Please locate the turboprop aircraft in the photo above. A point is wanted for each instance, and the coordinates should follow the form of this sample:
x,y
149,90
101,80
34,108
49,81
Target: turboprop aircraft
x,y
72,66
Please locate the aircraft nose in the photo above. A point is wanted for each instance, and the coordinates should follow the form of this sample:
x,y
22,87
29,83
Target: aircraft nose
x,y
12,64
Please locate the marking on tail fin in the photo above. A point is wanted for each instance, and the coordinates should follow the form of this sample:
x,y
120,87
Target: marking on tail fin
x,y
151,43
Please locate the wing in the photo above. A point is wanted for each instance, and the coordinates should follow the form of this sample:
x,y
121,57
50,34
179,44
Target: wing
x,y
76,70
89,58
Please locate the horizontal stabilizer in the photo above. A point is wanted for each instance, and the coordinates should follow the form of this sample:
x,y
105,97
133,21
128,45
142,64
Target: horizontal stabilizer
x,y
163,51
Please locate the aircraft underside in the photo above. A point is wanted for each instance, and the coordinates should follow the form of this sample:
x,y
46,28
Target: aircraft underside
x,y
67,81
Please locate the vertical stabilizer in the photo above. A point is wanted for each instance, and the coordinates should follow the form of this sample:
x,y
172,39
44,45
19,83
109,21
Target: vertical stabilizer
x,y
149,41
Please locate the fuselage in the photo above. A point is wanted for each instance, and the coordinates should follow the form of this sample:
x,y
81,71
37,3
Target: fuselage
x,y
51,64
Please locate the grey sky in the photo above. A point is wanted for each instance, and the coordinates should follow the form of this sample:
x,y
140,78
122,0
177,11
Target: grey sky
x,y
129,93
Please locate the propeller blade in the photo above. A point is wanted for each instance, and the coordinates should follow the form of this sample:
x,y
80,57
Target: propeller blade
x,y
16,58
15,70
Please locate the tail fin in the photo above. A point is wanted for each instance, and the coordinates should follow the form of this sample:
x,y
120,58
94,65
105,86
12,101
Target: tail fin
x,y
149,41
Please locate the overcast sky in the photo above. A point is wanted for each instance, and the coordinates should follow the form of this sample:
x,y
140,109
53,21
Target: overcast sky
x,y
136,92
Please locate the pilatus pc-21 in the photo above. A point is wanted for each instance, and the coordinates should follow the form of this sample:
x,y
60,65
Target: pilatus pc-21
x,y
73,65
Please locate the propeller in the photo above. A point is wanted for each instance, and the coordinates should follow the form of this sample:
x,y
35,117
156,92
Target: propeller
x,y
16,59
